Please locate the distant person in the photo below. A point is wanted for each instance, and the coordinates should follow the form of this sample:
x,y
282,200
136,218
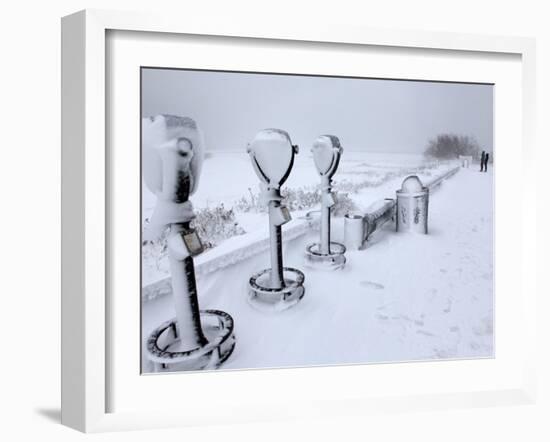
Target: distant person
x,y
485,161
482,161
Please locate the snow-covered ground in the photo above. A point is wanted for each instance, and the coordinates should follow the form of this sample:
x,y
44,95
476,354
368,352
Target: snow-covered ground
x,y
405,297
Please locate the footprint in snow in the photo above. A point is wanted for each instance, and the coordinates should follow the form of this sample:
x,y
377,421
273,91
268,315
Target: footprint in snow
x,y
371,285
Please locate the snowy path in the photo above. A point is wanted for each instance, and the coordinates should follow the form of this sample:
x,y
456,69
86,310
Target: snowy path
x,y
405,297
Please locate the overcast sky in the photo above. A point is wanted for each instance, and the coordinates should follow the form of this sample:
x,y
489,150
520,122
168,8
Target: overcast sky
x,y
366,114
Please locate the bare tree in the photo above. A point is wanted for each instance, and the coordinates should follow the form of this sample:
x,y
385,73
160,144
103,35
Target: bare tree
x,y
448,146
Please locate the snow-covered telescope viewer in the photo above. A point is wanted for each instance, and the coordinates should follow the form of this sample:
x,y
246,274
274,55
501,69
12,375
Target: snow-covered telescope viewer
x,y
272,156
172,159
326,254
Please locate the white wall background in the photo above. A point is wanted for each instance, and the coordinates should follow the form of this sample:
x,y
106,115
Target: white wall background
x,y
30,220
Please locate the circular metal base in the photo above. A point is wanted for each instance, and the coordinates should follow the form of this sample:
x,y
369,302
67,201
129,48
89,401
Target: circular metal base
x,y
325,261
263,297
163,343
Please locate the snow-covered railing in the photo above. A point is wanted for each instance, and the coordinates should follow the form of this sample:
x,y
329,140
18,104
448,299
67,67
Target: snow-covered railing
x,y
377,218
358,227
232,251
436,182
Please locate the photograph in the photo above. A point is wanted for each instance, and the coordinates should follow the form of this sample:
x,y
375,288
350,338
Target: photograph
x,y
301,220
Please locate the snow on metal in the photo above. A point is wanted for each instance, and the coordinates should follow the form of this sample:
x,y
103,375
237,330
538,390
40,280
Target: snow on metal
x,y
326,254
194,339
272,156
412,206
411,184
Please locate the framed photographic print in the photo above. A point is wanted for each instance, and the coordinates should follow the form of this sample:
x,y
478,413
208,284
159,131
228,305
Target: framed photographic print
x,y
266,222
346,196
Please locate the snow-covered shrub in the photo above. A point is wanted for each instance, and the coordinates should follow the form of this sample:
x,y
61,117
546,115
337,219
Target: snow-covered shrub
x,y
301,198
305,198
153,252
216,224
344,204
213,225
373,180
251,203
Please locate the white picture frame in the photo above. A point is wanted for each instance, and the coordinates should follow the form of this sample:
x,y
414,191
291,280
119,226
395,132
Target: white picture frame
x,y
86,216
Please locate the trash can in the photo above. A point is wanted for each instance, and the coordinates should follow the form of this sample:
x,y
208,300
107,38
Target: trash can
x,y
412,206
354,231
